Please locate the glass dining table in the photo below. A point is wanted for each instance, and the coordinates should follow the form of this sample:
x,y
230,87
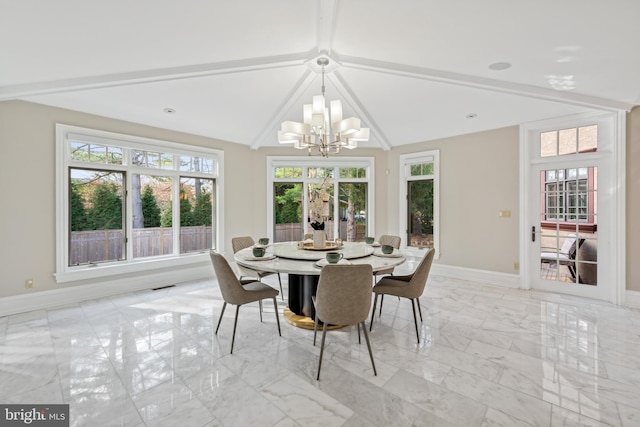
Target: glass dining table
x,y
303,264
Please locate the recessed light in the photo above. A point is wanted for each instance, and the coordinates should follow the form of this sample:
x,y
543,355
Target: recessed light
x,y
498,66
471,116
169,110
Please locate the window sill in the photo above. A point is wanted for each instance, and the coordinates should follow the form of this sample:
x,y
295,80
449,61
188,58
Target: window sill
x,y
102,271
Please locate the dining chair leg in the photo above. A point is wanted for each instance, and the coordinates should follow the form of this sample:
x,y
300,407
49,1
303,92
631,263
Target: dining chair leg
x,y
220,318
315,321
373,312
419,308
260,303
235,323
315,329
415,319
281,293
324,334
366,337
275,305
381,301
358,326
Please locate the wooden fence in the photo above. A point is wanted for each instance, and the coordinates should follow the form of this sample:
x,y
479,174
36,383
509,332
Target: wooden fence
x,y
107,245
294,231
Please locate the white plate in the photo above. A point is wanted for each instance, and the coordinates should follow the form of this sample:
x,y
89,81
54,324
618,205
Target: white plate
x,y
394,254
321,263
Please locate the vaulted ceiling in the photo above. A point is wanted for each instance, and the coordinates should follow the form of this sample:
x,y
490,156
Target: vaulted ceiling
x,y
411,70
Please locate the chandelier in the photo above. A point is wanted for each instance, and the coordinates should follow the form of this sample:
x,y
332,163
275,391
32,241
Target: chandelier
x,y
324,131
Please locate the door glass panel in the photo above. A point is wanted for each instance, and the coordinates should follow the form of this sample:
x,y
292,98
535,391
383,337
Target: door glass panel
x,y
569,225
420,210
321,207
288,211
353,211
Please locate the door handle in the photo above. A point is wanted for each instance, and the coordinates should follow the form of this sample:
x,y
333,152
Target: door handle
x,y
533,233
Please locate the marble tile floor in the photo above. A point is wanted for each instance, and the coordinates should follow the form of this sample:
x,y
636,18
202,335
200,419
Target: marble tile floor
x,y
488,356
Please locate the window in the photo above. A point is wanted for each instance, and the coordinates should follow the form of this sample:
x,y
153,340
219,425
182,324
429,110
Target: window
x,y
569,141
333,192
124,201
569,195
419,199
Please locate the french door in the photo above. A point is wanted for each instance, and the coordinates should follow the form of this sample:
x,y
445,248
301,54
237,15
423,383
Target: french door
x,y
571,208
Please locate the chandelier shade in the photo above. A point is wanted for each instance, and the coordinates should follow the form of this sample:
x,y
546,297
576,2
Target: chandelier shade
x,y
323,130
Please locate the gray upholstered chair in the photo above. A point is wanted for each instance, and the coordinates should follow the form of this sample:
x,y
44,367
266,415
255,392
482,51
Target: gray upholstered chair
x,y
565,256
410,286
239,243
239,293
343,298
390,240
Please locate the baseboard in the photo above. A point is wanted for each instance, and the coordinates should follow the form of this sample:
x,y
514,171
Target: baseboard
x,y
476,275
632,299
74,294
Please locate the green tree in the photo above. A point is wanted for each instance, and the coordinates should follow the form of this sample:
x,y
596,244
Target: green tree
x,y
79,220
150,208
167,216
421,206
106,212
289,203
186,215
202,212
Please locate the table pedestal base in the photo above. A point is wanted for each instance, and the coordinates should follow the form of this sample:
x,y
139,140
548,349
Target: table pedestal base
x,y
304,322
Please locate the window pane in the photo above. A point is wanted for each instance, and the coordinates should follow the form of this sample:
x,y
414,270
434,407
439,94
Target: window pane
x,y
96,216
151,200
548,144
320,173
196,214
196,164
288,211
588,138
79,151
152,159
353,211
97,153
420,210
568,141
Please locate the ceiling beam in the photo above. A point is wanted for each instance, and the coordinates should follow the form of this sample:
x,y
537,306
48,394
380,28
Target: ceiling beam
x,y
327,10
153,75
458,79
347,94
268,134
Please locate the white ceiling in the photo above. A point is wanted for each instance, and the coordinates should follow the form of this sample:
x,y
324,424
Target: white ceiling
x,y
412,70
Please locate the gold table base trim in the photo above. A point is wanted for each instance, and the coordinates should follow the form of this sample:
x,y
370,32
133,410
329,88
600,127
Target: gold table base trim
x,y
304,322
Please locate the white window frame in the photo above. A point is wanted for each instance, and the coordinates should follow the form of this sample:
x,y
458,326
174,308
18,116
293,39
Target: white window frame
x,y
406,161
64,272
367,163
